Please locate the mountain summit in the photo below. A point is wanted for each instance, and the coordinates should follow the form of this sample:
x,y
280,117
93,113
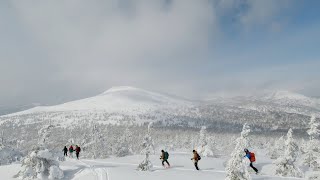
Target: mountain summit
x,y
117,99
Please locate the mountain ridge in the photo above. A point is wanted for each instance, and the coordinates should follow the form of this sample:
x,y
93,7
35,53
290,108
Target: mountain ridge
x,y
130,105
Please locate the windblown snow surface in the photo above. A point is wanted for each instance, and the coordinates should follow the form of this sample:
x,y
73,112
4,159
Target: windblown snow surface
x,y
126,169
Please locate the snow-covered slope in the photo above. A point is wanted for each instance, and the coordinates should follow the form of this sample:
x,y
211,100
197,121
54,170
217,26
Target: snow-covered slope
x,y
117,99
125,168
128,105
280,101
118,105
286,97
275,110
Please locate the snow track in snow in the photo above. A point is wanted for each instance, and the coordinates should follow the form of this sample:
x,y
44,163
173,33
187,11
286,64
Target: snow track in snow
x,y
120,170
104,171
99,173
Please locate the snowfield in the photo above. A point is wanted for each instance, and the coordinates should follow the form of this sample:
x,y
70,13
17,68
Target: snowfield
x,y
126,168
115,126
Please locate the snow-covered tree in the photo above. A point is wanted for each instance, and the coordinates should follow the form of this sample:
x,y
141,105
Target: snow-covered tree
x,y
44,134
9,155
95,144
2,138
148,147
286,162
123,147
205,147
313,132
236,167
276,149
312,151
41,163
71,141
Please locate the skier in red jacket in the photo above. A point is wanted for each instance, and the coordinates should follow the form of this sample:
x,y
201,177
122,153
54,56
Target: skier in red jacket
x,y
78,149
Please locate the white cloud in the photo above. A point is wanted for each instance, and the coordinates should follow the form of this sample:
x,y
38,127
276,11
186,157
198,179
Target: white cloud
x,y
90,46
59,50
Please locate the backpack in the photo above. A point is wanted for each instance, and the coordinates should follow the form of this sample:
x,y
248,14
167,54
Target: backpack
x,y
252,157
166,155
199,157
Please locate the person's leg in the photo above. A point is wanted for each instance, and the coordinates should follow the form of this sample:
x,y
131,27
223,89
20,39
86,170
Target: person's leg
x,y
162,162
255,169
77,155
196,165
167,162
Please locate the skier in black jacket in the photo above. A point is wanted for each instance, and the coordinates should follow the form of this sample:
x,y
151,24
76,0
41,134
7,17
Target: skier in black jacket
x,y
65,151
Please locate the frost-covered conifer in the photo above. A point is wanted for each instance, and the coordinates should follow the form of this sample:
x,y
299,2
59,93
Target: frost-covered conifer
x,y
41,163
95,140
148,147
44,134
236,168
277,149
2,138
95,144
286,162
313,132
123,146
311,152
9,155
205,147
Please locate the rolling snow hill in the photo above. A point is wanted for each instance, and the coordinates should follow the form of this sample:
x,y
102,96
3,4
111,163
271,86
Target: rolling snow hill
x,y
117,99
128,105
118,105
273,100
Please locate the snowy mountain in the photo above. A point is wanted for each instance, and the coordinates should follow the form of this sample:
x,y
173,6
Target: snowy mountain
x,y
118,105
286,97
283,101
128,106
122,99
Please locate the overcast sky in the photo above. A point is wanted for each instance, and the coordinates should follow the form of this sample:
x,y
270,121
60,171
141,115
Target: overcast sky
x,y
55,51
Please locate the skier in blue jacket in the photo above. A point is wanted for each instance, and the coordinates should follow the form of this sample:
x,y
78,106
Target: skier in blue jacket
x,y
252,159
